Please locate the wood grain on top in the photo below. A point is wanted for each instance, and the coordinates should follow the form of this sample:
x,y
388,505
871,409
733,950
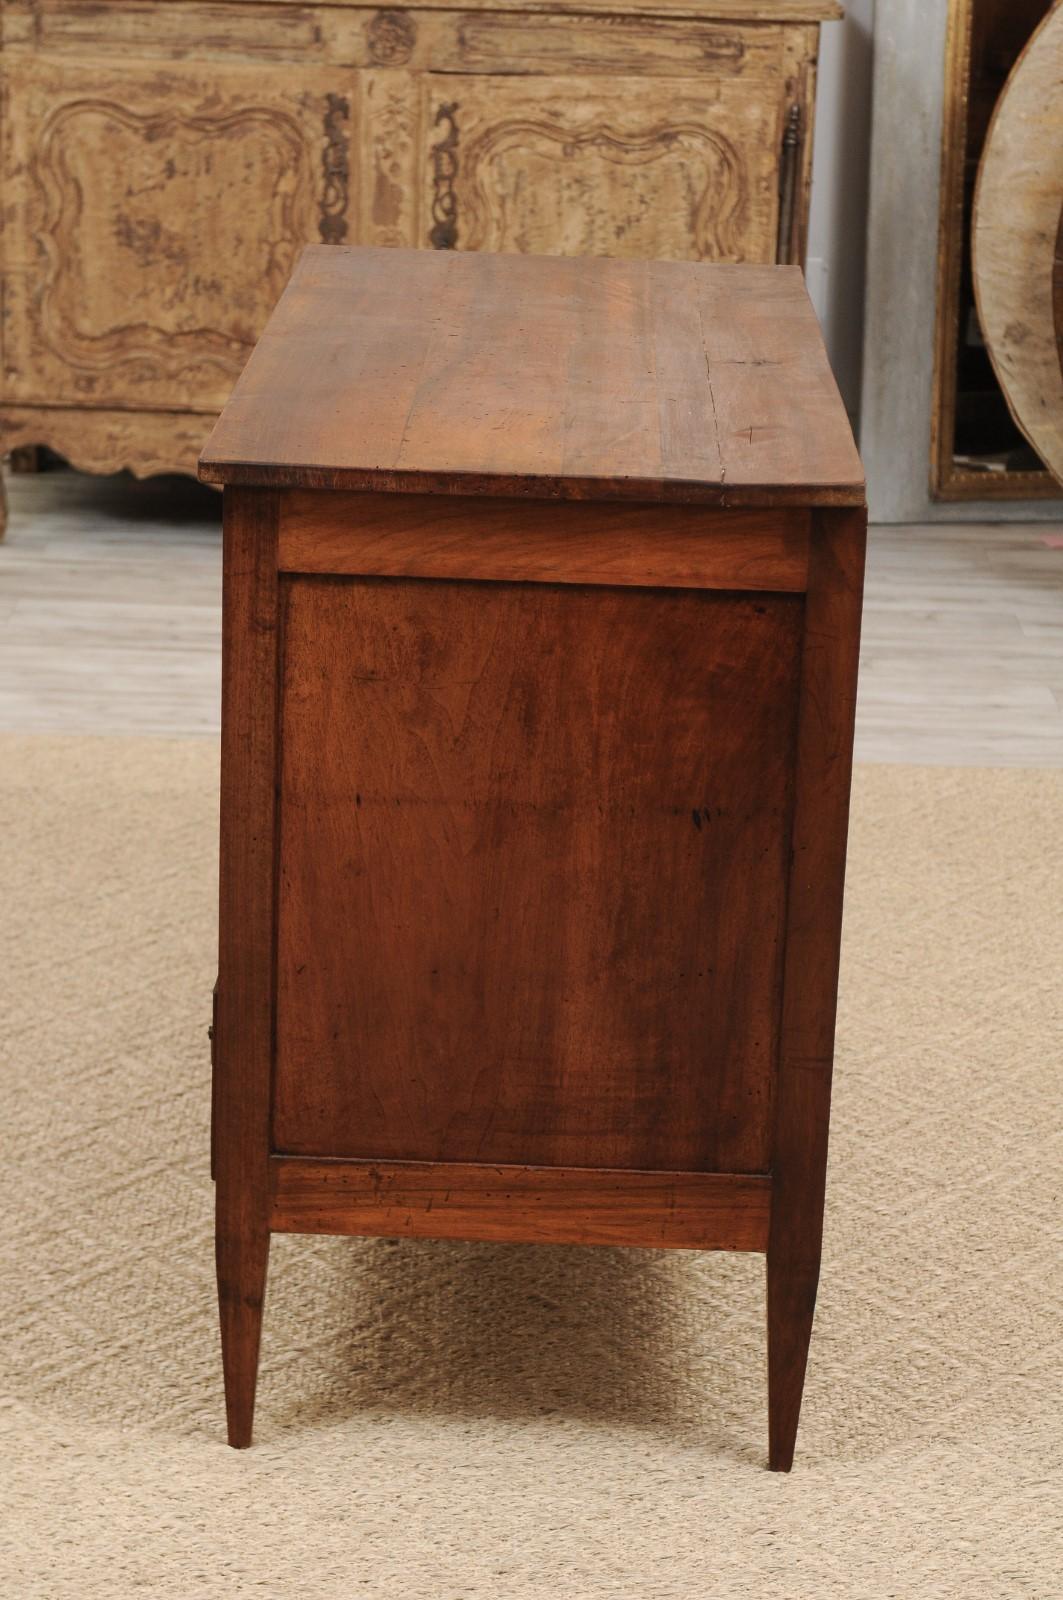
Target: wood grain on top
x,y
552,377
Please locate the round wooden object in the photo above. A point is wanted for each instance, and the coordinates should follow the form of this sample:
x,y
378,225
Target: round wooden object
x,y
1014,240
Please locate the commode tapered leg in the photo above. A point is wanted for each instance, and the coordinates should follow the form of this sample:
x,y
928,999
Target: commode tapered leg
x,y
791,1306
242,1267
813,937
243,1029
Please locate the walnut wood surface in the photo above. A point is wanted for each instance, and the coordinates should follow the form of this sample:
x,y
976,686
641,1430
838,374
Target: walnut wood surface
x,y
538,1205
243,1042
532,897
534,832
421,536
554,378
813,938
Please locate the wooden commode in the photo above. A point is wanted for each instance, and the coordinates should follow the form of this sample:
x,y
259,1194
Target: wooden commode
x,y
542,600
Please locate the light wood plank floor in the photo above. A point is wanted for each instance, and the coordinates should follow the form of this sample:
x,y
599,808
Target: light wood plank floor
x,y
110,623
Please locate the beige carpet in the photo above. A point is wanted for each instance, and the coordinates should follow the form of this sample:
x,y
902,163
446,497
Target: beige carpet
x,y
443,1422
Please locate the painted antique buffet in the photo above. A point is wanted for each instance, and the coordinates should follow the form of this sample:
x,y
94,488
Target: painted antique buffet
x,y
164,161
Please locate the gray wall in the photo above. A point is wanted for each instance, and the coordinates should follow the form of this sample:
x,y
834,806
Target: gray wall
x,y
838,223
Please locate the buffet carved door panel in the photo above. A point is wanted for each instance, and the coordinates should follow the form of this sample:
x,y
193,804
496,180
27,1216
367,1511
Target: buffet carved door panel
x,y
156,215
390,159
582,166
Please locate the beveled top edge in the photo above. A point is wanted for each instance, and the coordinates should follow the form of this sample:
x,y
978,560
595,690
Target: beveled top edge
x,y
720,496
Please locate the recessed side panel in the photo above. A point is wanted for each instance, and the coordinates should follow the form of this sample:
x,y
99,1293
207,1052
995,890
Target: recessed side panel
x,y
534,843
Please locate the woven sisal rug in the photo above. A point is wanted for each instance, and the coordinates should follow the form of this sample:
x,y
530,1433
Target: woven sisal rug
x,y
457,1422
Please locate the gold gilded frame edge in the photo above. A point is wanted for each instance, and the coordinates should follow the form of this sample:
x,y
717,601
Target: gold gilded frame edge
x,y
947,482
